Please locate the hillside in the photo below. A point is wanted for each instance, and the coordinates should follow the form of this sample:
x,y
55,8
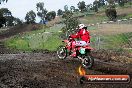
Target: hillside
x,y
18,30
91,17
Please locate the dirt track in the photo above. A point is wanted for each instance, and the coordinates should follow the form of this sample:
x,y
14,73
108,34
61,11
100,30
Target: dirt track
x,y
44,70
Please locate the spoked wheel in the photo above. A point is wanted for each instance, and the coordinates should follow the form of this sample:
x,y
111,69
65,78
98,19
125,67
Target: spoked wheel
x,y
61,52
88,62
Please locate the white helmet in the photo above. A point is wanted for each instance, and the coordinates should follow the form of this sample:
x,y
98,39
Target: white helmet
x,y
81,26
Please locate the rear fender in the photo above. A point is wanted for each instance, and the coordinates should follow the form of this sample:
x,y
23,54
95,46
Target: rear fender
x,y
88,48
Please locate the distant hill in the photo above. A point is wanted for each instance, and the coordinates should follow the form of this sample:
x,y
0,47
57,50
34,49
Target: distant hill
x,y
18,29
95,16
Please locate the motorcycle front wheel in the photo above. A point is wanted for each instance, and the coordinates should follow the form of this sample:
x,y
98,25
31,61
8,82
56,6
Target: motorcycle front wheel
x,y
61,52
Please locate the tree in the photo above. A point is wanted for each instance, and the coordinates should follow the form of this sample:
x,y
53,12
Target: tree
x,y
9,21
130,2
5,12
2,20
96,5
8,16
30,17
101,3
88,7
111,3
50,15
17,21
111,12
66,7
53,14
41,11
67,14
3,1
72,8
82,6
121,2
59,12
76,10
70,22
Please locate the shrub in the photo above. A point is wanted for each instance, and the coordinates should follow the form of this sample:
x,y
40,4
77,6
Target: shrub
x,y
111,13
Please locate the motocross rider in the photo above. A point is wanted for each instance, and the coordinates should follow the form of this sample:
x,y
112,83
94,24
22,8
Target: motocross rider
x,y
82,34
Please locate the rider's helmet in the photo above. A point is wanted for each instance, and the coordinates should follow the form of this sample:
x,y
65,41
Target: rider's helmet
x,y
80,26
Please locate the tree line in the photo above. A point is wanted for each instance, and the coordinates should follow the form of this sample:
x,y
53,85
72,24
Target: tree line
x,y
6,18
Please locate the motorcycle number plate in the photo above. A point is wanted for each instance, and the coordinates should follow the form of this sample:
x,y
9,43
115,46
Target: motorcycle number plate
x,y
82,50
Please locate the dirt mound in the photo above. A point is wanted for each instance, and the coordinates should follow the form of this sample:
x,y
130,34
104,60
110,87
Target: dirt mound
x,y
113,55
19,29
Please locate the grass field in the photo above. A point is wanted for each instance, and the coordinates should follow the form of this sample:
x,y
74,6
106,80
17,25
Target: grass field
x,y
116,41
93,19
44,41
39,39
111,36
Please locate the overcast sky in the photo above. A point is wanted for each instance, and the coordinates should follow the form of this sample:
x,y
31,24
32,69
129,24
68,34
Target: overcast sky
x,y
20,7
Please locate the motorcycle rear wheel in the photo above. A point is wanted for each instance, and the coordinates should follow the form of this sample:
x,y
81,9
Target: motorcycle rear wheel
x,y
88,62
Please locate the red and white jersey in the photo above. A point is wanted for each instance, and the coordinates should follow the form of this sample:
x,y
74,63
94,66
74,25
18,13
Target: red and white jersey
x,y
83,34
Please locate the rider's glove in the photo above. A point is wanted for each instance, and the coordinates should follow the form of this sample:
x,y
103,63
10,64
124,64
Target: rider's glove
x,y
69,36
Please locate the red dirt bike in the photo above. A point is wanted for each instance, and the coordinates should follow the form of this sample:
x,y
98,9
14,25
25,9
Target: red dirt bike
x,y
83,53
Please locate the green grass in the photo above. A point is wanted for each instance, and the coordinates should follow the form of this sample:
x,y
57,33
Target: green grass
x,y
127,5
92,27
52,43
116,41
55,28
125,16
35,40
93,19
17,43
128,16
87,13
